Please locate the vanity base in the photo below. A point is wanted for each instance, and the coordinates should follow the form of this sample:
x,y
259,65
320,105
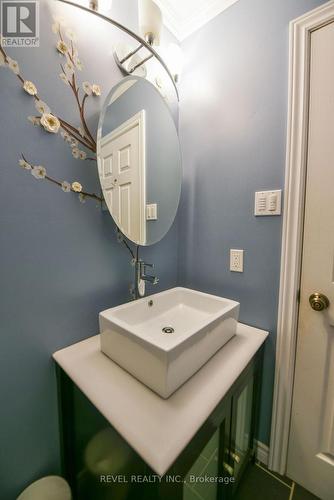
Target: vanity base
x,y
99,463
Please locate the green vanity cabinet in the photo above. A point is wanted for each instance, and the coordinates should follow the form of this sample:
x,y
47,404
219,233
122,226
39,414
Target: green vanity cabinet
x,y
209,468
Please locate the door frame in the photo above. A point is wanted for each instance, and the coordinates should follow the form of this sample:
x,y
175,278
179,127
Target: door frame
x,y
292,237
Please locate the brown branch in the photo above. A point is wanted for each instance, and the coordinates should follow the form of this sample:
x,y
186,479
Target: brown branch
x,y
84,121
64,126
58,183
119,232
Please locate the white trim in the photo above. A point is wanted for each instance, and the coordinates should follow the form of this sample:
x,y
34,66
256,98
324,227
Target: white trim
x,y
261,452
295,174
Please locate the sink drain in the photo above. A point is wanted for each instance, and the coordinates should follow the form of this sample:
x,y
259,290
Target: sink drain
x,y
168,329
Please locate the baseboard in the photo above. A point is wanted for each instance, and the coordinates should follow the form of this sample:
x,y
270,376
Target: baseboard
x,y
261,452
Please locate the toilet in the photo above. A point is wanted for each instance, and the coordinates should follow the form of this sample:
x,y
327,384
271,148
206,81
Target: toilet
x,y
47,488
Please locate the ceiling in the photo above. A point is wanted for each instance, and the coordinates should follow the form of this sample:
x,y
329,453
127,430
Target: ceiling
x,y
183,17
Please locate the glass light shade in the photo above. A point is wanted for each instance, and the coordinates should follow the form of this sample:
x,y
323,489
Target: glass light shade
x,y
150,21
174,60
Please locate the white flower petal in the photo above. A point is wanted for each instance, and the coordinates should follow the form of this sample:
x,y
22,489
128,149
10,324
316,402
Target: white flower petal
x,y
75,153
66,186
64,78
13,65
30,87
50,123
76,186
34,120
96,89
42,107
87,87
38,172
24,164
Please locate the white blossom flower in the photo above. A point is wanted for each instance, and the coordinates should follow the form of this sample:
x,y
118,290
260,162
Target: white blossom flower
x,y
24,164
96,89
82,155
81,131
87,87
66,186
50,123
82,198
34,120
64,78
42,107
72,142
38,172
62,47
56,27
78,64
76,186
2,59
13,65
75,153
69,68
30,87
71,35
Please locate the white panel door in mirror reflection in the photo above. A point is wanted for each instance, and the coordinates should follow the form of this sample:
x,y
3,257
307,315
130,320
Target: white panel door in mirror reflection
x,y
123,176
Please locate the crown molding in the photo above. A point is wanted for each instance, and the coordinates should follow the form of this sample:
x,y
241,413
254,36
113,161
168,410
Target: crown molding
x,y
184,25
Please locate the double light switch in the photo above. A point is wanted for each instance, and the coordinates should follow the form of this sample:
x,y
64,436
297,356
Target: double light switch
x,y
268,202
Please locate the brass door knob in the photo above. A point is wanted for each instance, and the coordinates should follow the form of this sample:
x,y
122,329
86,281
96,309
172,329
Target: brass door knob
x,y
235,457
228,469
318,301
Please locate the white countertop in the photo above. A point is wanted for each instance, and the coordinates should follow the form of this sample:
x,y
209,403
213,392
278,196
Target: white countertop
x,y
157,429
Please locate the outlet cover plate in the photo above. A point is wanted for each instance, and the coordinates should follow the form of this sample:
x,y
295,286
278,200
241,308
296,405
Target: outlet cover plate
x,y
236,260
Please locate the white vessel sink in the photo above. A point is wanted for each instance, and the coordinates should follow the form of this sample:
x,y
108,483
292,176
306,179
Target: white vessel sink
x,y
163,339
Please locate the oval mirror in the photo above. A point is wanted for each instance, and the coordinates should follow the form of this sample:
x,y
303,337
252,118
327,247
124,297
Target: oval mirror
x,y
139,160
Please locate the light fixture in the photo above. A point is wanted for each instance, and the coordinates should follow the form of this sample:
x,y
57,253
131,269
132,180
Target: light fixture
x,y
150,21
150,26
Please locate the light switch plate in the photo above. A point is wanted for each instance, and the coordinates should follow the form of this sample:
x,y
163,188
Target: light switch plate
x,y
236,260
152,211
268,202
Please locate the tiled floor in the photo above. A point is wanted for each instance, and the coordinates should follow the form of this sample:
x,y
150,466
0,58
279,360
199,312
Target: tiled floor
x,y
260,484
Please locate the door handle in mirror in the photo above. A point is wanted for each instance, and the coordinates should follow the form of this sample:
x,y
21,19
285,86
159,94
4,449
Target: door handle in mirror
x,y
235,457
318,301
228,469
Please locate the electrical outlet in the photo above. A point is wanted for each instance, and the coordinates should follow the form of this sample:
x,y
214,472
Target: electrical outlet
x,y
236,260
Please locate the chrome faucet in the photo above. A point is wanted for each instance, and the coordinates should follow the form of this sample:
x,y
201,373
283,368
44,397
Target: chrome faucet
x,y
146,277
142,277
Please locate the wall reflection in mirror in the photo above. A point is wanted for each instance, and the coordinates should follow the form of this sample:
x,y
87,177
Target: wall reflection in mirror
x,y
139,160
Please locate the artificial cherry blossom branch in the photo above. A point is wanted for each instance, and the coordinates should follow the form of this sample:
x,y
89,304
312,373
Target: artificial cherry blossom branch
x,y
39,172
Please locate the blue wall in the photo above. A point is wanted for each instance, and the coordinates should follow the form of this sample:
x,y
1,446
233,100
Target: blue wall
x,y
233,132
60,263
